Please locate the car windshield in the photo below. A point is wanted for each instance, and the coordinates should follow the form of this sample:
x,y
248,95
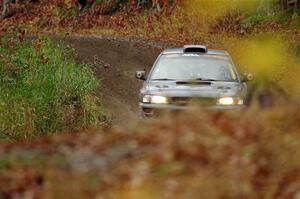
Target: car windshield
x,y
193,67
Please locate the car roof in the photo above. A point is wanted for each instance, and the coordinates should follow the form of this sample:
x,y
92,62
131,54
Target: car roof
x,y
181,51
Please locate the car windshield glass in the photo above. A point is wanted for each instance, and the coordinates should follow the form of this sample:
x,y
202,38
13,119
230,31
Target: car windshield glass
x,y
193,67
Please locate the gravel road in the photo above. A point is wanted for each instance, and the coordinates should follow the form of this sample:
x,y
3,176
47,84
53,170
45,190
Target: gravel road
x,y
115,61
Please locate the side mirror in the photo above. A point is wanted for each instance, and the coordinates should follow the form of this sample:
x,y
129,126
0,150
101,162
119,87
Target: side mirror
x,y
140,75
247,77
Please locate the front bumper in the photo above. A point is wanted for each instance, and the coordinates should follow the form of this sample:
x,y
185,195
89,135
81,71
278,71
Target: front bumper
x,y
149,110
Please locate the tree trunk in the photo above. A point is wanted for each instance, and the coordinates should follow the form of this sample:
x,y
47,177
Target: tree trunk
x,y
5,6
283,4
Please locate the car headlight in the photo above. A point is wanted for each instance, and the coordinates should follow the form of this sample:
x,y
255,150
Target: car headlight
x,y
155,99
227,101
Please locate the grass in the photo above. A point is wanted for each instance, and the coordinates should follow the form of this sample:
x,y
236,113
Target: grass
x,y
43,89
253,19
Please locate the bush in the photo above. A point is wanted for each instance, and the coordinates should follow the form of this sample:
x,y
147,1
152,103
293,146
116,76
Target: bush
x,y
43,89
249,154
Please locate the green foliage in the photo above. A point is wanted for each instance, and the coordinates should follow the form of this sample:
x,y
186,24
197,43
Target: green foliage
x,y
296,21
44,90
255,18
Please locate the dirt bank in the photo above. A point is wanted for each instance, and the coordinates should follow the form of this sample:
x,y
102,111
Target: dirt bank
x,y
115,61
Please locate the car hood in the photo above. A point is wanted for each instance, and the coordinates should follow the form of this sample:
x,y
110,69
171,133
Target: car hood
x,y
197,89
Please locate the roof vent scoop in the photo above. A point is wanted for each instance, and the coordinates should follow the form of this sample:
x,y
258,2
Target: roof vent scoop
x,y
195,49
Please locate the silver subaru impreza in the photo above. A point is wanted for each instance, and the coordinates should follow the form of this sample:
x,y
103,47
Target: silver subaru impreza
x,y
194,74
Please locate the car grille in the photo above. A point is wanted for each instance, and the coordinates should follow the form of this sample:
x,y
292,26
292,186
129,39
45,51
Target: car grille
x,y
181,101
203,101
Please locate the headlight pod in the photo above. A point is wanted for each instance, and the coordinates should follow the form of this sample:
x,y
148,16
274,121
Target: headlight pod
x,y
227,101
154,99
159,100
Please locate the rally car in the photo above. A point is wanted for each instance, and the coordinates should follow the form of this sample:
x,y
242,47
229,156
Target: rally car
x,y
193,75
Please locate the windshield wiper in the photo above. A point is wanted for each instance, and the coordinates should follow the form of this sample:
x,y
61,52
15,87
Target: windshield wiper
x,y
204,79
163,79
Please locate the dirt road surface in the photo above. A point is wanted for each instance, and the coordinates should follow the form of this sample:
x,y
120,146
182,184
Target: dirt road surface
x,y
115,61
